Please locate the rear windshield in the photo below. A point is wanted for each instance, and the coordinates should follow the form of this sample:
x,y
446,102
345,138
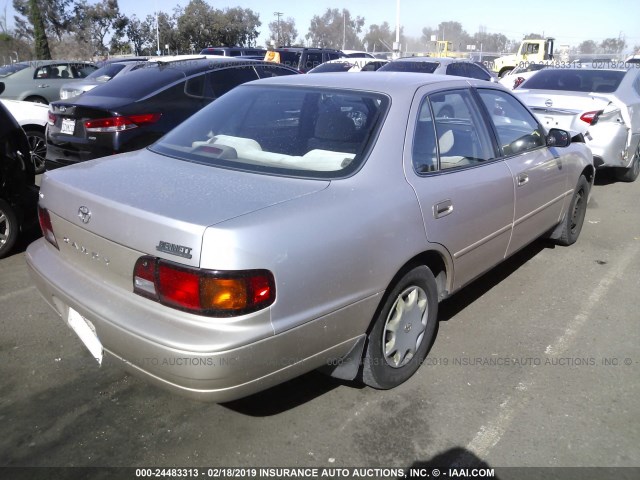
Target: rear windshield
x,y
416,67
292,131
291,59
575,80
332,67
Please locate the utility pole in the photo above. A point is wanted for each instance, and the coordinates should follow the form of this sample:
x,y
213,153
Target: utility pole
x,y
278,14
157,34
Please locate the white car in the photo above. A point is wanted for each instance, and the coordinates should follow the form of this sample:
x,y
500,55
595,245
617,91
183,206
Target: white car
x,y
32,117
355,64
520,74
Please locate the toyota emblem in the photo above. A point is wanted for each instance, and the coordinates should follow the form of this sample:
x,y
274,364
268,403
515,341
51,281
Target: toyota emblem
x,y
84,214
548,103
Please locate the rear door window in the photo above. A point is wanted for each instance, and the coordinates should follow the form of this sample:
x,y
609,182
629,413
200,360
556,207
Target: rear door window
x,y
221,81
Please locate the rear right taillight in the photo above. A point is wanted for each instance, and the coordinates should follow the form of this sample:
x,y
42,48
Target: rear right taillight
x,y
212,293
46,227
51,118
120,123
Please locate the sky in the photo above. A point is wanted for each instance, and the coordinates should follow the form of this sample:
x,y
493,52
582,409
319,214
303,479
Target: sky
x,y
569,21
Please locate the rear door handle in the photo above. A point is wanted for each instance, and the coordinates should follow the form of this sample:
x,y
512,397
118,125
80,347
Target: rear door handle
x,y
442,209
43,86
523,179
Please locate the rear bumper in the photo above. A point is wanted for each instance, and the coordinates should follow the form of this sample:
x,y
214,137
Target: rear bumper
x,y
221,375
58,156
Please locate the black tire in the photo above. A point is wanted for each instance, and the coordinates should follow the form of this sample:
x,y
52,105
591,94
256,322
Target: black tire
x,y
573,220
8,228
504,71
630,174
400,338
36,99
38,147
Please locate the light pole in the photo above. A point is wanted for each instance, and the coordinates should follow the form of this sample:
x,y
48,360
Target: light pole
x,y
278,14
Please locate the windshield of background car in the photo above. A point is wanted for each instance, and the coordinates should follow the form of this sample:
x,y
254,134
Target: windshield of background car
x,y
107,72
332,67
416,67
6,70
292,131
574,80
139,83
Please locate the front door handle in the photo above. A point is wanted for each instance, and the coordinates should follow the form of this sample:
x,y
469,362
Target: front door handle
x,y
523,179
43,86
442,209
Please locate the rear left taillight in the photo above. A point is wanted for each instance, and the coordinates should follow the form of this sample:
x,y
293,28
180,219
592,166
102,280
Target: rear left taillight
x,y
46,226
204,292
120,123
517,82
590,118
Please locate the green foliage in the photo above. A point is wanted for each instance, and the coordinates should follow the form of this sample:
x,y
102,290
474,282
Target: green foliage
x,y
336,29
41,43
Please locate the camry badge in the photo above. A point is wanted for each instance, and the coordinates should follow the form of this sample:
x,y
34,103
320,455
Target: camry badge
x,y
173,249
548,103
84,214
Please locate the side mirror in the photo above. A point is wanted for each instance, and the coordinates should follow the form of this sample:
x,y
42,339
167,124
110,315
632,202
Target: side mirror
x,y
1,87
558,138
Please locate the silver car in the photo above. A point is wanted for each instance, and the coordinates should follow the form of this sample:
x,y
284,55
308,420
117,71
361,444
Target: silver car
x,y
601,103
301,222
460,67
98,77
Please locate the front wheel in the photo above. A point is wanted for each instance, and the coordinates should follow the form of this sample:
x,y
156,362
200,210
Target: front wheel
x,y
403,330
574,218
8,228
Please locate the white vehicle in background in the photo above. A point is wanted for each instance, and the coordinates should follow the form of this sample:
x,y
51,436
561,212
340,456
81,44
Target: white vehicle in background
x,y
32,117
351,64
601,103
520,74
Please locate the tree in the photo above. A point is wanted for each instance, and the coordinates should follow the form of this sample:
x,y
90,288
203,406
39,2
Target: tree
x,y
139,34
41,43
56,15
283,32
454,33
380,38
94,22
197,25
240,27
588,47
533,36
336,29
613,45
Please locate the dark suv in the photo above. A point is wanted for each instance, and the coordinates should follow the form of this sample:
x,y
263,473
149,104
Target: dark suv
x,y
304,59
134,110
234,51
18,191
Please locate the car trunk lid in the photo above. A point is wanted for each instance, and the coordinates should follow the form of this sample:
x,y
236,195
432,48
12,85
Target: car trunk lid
x,y
146,203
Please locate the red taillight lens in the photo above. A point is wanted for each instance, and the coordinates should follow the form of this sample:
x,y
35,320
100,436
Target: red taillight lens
x,y
517,82
46,227
590,118
51,118
120,123
205,292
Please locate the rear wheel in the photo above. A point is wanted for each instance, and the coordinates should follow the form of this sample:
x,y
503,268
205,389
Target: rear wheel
x,y
630,174
573,220
8,228
38,147
402,331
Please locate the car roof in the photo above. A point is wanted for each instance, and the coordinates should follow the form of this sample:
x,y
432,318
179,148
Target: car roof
x,y
392,83
442,60
190,64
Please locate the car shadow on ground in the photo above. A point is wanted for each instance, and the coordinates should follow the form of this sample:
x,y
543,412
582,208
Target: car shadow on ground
x,y
288,395
450,307
605,176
